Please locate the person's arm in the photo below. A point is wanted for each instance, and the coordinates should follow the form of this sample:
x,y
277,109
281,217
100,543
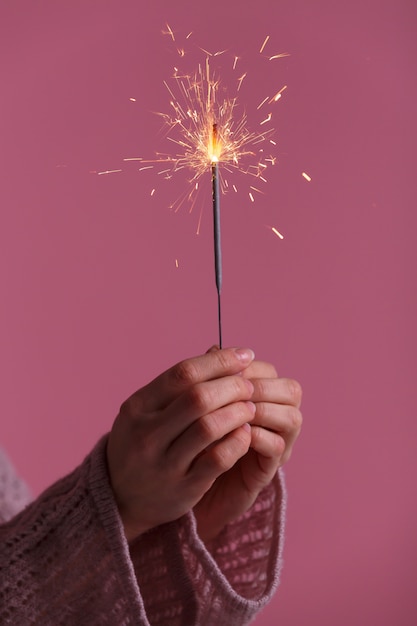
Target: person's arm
x,y
64,559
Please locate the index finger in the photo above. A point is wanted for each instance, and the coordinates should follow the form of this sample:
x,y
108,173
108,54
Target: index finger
x,y
159,393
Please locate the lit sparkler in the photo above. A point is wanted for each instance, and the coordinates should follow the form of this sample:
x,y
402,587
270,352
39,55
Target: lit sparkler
x,y
209,136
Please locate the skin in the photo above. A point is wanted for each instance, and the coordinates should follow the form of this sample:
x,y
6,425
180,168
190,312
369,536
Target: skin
x,y
208,434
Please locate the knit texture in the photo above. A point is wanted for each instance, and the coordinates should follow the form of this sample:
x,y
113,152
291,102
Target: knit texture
x,y
64,559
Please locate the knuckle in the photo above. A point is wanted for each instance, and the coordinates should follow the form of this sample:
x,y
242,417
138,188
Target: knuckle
x,y
261,388
185,373
296,419
225,360
261,412
200,399
273,372
278,446
220,460
242,388
127,408
295,391
223,458
206,429
241,412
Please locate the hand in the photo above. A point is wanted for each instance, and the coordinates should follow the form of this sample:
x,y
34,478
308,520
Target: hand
x,y
274,429
176,436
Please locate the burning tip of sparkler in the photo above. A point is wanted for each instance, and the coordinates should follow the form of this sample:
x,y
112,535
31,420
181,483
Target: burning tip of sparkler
x,y
306,176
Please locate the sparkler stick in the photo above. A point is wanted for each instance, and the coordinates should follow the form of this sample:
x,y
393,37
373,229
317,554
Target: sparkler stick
x,y
217,230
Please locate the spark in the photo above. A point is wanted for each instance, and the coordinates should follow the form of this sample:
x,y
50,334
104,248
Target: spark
x,y
169,32
236,59
199,220
264,44
176,263
108,172
240,81
267,119
278,234
262,103
132,99
279,56
256,189
152,192
251,197
278,95
306,176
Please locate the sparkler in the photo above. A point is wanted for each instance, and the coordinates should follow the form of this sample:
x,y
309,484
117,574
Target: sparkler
x,y
204,127
207,133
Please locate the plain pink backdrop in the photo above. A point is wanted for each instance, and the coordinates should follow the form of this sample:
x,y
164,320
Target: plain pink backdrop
x,y
93,305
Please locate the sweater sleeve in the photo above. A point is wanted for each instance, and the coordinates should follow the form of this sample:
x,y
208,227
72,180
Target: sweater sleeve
x,y
226,582
64,560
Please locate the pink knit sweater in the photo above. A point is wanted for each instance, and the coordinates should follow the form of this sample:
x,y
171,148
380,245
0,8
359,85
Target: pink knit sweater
x,y
64,559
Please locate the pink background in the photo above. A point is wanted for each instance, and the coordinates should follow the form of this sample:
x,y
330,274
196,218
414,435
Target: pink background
x,y
93,306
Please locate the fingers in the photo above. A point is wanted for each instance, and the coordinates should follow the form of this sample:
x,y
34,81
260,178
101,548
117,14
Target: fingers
x,y
277,422
279,390
275,429
222,456
211,366
201,401
207,431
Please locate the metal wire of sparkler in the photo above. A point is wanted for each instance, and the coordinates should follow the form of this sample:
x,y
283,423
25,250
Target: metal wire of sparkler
x,y
217,232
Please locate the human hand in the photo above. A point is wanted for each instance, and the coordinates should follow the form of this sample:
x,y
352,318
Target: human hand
x,y
174,437
274,429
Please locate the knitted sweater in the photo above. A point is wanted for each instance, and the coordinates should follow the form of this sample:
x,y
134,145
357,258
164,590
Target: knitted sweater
x,y
64,559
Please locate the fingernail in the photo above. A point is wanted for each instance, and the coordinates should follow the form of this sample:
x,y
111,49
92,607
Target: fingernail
x,y
246,427
245,355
